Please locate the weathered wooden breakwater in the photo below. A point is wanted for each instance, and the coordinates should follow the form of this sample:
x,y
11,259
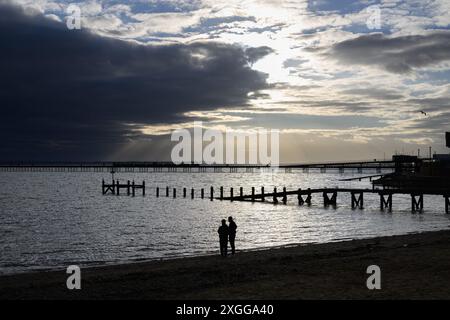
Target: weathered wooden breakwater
x,y
303,196
116,186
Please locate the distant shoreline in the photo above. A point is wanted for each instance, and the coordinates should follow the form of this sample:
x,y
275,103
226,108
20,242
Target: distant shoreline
x,y
413,266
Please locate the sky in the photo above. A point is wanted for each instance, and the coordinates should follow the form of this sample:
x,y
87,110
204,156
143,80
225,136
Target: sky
x,y
339,83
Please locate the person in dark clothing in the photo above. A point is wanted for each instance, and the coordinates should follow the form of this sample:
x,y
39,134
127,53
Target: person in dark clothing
x,y
223,238
231,232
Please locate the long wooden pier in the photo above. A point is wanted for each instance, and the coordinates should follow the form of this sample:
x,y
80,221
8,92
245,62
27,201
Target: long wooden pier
x,y
329,196
166,167
303,196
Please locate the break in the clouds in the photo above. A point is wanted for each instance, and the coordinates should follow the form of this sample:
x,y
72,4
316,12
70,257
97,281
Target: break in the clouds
x,y
315,69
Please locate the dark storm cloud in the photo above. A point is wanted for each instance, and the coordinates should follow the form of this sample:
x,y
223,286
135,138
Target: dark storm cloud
x,y
75,94
254,54
397,55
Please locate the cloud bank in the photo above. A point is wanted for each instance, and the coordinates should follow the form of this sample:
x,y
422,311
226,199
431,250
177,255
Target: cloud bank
x,y
70,94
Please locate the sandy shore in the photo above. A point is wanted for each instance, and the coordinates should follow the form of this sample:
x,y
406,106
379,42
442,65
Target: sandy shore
x,y
413,266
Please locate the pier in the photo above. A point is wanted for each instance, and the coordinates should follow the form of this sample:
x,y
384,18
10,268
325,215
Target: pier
x,y
327,196
115,186
169,167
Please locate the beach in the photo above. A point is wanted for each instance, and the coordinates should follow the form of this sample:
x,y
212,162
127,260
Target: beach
x,y
413,266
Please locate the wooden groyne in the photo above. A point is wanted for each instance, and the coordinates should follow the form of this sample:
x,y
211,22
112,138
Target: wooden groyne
x,y
330,195
116,186
303,197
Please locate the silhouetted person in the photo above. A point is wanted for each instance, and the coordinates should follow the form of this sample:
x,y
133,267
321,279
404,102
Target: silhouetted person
x,y
231,232
223,238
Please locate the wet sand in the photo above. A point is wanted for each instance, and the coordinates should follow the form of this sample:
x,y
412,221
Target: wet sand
x,y
415,266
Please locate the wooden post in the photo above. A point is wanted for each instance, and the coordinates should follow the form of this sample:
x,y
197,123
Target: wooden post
x,y
300,198
174,192
128,187
416,204
231,194
103,186
118,187
308,197
253,194
447,203
241,192
329,201
113,187
143,188
132,189
284,195
221,193
263,198
275,199
211,193
157,192
202,193
167,191
386,203
184,192
325,199
192,193
357,201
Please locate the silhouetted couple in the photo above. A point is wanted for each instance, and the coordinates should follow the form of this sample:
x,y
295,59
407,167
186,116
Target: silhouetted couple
x,y
227,233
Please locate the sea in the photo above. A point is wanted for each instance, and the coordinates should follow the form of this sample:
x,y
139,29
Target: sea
x,y
50,220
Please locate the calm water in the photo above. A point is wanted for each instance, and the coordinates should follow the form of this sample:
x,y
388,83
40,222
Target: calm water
x,y
50,220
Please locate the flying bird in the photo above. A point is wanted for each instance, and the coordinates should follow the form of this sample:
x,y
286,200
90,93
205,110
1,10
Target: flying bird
x,y
423,112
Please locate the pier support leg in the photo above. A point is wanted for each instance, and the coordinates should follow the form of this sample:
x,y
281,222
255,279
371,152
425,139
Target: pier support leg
x,y
221,193
386,203
133,189
275,199
157,192
184,192
128,187
118,188
284,195
167,191
211,194
231,195
329,201
241,192
174,192
143,188
357,201
416,203
300,198
447,203
263,198
192,193
308,197
202,193
253,194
